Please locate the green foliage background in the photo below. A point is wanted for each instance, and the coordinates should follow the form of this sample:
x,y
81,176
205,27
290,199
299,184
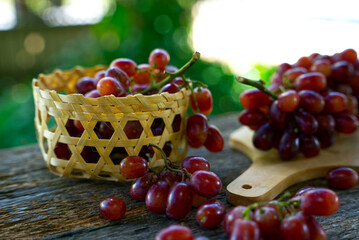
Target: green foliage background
x,y
131,29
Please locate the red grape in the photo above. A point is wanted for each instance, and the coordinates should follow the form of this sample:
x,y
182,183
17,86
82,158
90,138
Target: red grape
x,y
214,141
119,75
304,62
133,167
109,85
169,177
126,65
349,55
342,178
326,122
93,94
277,117
303,190
142,75
175,232
268,221
156,198
85,85
253,98
140,187
289,145
306,122
206,184
245,230
99,75
341,71
311,101
112,208
288,101
290,75
316,232
294,228
346,123
179,201
335,102
210,214
252,117
62,151
309,145
204,100
323,66
170,88
283,68
312,81
326,138
197,130
159,58
320,202
194,163
133,129
234,214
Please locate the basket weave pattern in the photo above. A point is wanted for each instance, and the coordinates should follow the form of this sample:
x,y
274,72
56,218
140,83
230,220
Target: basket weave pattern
x,y
116,111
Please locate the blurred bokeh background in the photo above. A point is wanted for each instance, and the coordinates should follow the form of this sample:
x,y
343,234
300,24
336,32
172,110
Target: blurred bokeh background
x,y
234,37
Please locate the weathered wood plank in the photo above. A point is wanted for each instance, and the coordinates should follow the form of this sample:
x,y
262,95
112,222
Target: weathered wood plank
x,y
37,204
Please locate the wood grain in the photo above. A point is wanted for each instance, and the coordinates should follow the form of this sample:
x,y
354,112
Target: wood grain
x,y
35,204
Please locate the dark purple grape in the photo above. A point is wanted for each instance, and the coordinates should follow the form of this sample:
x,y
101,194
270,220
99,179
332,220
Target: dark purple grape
x,y
326,122
346,123
311,101
288,145
326,138
119,75
156,198
85,85
277,117
179,201
264,137
306,122
140,187
309,145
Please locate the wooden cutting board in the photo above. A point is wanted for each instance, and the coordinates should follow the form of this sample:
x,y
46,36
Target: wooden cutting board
x,y
268,176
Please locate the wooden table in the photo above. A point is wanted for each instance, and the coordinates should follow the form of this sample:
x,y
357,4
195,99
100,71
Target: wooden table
x,y
34,203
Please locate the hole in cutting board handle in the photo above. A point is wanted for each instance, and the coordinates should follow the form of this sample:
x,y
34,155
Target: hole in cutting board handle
x,y
246,186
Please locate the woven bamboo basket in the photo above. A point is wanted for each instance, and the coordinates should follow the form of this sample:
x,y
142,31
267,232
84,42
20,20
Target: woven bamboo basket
x,y
58,109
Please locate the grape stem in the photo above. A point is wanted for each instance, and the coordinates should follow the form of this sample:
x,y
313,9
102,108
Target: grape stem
x,y
195,57
166,160
259,84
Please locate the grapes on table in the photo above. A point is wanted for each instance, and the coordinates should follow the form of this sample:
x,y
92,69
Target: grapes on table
x,y
309,102
112,208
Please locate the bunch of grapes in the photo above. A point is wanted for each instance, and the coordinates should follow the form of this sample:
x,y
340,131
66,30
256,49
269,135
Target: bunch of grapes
x,y
175,189
124,77
307,103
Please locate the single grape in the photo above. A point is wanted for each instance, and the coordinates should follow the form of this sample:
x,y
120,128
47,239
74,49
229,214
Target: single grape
x,y
206,184
78,125
133,129
283,68
119,75
349,55
142,76
100,74
93,94
133,167
303,190
323,66
294,228
214,141
85,85
112,208
126,65
311,81
326,138
252,117
179,201
110,86
304,62
158,59
197,130
341,71
264,137
289,145
105,130
306,122
195,163
316,231
71,129
179,81
62,151
175,232
311,101
326,122
245,230
169,177
346,123
156,198
342,178
231,216
210,214
320,202
309,145
288,101
290,75
204,100
277,117
352,105
253,98
170,88
335,102
268,221
140,187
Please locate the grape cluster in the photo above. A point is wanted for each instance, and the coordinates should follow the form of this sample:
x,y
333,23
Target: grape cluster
x,y
124,77
307,103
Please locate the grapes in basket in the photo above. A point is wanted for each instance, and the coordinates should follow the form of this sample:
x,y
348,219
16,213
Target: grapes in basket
x,y
125,77
305,106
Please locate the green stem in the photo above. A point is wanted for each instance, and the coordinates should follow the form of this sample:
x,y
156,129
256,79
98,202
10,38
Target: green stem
x,y
257,84
189,85
195,57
